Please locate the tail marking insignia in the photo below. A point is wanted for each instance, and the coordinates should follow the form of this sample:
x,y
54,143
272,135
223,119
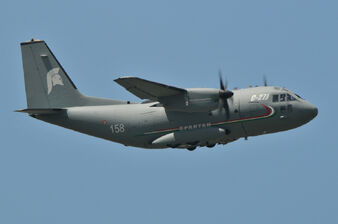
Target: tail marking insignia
x,y
53,79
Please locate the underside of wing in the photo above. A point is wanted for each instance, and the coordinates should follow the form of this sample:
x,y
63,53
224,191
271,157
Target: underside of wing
x,y
41,111
145,89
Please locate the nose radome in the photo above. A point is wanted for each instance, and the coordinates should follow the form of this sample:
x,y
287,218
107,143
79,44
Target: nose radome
x,y
312,110
315,112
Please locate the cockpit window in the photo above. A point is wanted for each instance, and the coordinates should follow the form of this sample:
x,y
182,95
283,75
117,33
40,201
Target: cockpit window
x,y
298,96
290,98
282,97
275,98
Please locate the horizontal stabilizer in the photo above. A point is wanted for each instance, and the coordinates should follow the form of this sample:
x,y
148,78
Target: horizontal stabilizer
x,y
41,111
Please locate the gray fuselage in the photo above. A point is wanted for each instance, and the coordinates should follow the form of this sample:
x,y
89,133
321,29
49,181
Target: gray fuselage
x,y
253,111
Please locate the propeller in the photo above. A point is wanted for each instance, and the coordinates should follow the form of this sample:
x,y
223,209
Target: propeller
x,y
265,80
224,94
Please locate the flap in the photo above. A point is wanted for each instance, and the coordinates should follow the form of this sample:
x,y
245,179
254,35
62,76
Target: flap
x,y
145,89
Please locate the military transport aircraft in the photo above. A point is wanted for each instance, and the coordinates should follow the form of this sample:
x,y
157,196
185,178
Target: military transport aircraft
x,y
170,117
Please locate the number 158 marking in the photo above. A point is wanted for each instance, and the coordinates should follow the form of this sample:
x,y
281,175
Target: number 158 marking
x,y
117,128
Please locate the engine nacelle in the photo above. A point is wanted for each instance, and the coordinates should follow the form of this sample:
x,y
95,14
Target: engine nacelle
x,y
195,100
191,137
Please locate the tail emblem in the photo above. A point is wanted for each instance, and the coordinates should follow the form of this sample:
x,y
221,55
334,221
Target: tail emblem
x,y
53,79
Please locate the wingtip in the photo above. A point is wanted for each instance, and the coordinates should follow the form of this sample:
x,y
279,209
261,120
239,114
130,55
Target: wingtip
x,y
124,77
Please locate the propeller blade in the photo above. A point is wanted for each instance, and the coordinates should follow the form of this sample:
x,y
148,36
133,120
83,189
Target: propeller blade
x,y
224,95
223,87
226,107
221,80
265,80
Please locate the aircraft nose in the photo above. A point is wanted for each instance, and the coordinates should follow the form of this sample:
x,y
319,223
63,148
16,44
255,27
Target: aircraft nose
x,y
311,111
315,112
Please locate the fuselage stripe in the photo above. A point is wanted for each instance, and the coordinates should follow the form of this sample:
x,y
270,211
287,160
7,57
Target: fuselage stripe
x,y
269,113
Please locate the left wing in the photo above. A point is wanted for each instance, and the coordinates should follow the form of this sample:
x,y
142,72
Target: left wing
x,y
145,89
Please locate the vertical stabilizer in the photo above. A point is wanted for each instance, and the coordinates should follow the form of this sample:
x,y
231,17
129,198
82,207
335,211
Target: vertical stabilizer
x,y
47,84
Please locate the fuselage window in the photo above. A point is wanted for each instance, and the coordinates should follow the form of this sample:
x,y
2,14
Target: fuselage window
x,y
282,109
282,97
289,108
290,98
275,98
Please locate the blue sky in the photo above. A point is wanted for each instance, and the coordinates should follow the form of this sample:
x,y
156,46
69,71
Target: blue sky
x,y
53,175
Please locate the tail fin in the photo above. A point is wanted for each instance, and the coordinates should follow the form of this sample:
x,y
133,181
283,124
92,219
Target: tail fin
x,y
47,84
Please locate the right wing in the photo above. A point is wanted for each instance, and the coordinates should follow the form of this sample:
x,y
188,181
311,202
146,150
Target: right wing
x,y
145,89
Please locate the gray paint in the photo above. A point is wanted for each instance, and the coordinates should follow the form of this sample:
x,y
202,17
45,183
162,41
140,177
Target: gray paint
x,y
181,118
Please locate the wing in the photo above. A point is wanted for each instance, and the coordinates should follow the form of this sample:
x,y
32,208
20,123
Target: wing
x,y
145,89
